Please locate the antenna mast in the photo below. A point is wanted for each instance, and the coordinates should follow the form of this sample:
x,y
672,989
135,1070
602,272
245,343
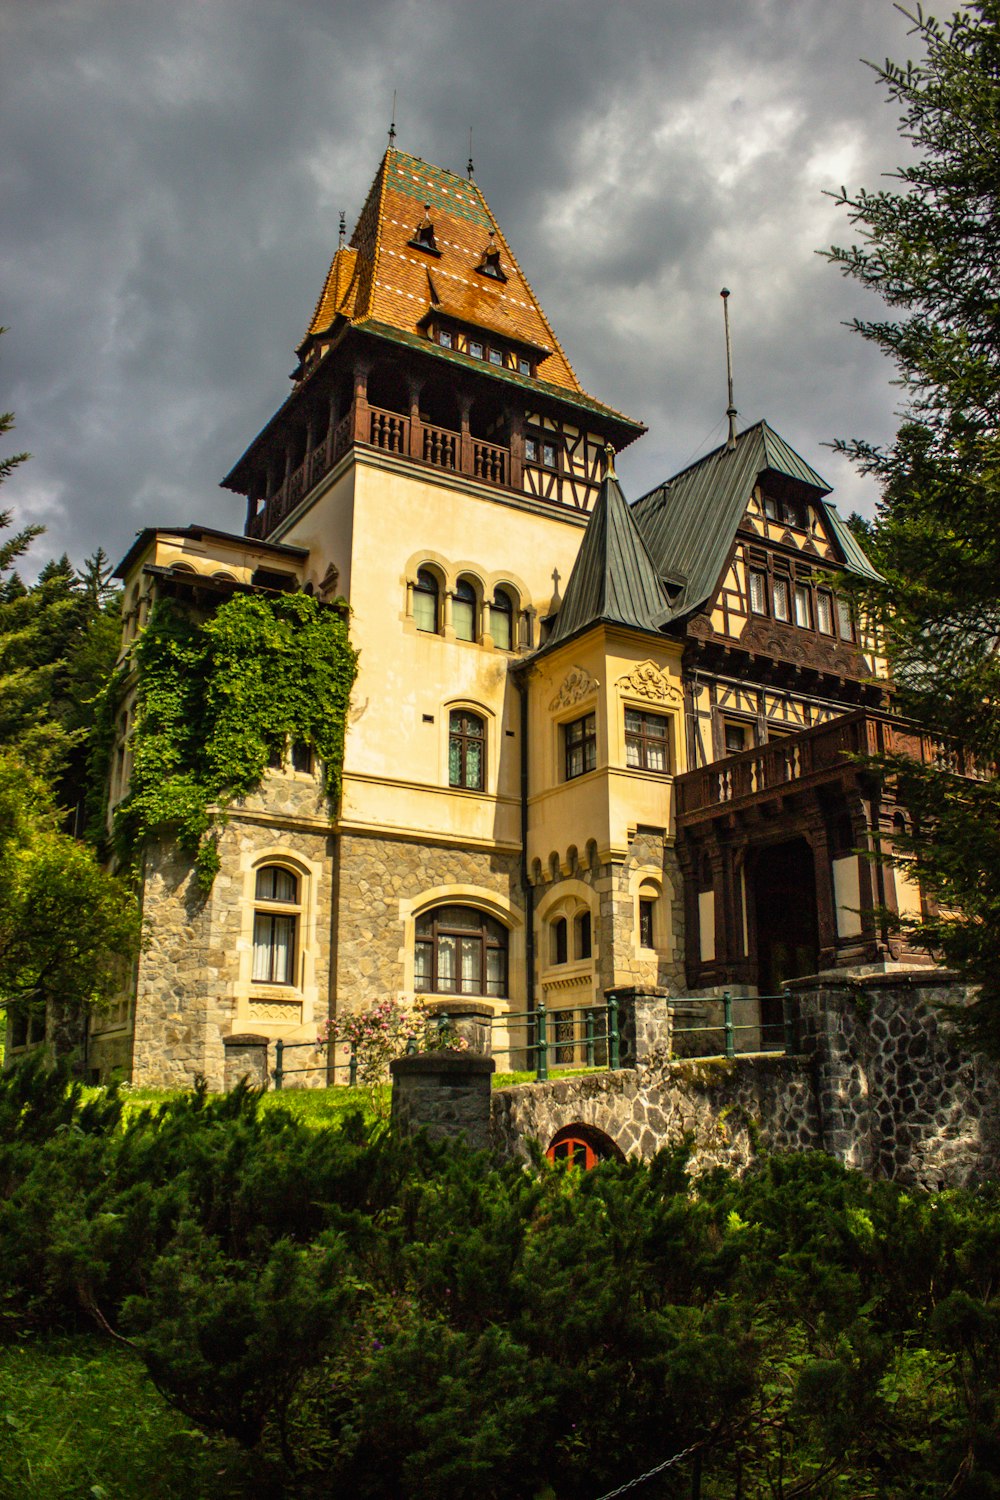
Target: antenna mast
x,y
730,409
392,124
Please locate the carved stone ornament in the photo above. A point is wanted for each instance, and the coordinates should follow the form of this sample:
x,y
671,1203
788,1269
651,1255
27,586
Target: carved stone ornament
x,y
577,685
647,681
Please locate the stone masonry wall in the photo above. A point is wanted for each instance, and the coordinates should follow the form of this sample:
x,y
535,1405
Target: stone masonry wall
x,y
623,964
188,991
898,1094
729,1109
375,875
881,1082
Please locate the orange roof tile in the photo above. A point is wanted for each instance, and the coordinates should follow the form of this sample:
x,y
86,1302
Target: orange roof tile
x,y
338,289
381,277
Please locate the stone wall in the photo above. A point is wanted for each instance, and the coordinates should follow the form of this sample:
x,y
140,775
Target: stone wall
x,y
377,876
194,982
898,1094
446,1094
881,1082
729,1109
625,962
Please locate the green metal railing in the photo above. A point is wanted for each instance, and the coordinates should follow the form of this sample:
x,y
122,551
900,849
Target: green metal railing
x,y
584,1036
764,1031
281,1070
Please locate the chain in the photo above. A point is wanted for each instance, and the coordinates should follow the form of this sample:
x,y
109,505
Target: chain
x,y
668,1463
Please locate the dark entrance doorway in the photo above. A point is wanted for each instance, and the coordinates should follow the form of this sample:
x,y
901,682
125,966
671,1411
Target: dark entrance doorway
x,y
783,883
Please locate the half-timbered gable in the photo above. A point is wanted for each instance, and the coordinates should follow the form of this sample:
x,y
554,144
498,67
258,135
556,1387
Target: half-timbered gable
x,y
755,549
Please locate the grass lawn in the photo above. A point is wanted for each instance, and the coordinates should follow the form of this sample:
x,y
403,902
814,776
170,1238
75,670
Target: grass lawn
x,y
319,1107
79,1418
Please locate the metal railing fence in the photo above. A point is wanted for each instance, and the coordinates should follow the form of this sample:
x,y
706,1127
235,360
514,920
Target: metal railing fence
x,y
772,1025
329,1066
577,1036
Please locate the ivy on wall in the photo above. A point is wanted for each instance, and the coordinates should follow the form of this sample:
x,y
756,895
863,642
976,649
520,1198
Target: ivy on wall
x,y
216,698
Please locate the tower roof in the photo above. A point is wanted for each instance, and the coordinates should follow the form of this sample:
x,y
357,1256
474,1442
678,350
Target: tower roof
x,y
614,580
426,241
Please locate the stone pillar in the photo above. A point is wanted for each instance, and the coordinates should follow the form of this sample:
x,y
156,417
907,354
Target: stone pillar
x,y
643,1024
467,1020
246,1060
446,1094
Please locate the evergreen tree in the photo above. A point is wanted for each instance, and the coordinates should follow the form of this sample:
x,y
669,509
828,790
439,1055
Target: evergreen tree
x,y
929,247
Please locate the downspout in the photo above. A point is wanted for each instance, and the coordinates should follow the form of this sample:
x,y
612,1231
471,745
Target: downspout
x,y
526,886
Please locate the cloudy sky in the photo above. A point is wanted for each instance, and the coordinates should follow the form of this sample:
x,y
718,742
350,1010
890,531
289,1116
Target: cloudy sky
x,y
171,176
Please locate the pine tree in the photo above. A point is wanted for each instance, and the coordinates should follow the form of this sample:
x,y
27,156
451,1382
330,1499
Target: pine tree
x,y
930,247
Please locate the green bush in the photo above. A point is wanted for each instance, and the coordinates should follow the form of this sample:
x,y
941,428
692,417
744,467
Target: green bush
x,y
381,1318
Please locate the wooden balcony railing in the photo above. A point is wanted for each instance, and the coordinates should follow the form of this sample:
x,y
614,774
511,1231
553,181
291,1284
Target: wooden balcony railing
x,y
810,756
401,435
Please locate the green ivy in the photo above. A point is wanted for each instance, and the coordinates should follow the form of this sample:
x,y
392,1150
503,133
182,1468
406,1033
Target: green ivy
x,y
216,697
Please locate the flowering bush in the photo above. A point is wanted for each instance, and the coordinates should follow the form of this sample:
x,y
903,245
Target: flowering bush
x,y
383,1030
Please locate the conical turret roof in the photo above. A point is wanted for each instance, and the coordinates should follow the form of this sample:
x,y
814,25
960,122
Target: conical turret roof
x,y
614,580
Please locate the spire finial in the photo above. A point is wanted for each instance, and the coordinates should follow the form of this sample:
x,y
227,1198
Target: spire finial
x,y
472,170
609,462
343,227
392,124
730,409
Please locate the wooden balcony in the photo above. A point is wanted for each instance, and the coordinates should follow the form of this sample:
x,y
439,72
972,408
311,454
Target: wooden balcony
x,y
405,437
799,762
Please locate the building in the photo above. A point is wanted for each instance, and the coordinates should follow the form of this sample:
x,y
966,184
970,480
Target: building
x,y
592,744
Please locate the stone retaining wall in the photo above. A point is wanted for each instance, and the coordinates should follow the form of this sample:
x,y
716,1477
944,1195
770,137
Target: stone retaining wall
x,y
729,1108
881,1082
898,1094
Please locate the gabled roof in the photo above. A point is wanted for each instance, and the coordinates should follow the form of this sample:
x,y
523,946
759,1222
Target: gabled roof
x,y
855,559
614,580
381,278
689,522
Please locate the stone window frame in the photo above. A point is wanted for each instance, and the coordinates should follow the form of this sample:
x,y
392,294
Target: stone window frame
x,y
491,750
448,574
466,736
467,592
649,882
270,910
567,901
304,989
493,904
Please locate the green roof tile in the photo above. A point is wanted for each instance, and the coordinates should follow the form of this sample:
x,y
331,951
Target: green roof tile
x,y
614,580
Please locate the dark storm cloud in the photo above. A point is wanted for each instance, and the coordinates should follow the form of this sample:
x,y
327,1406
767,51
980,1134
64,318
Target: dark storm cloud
x,y
171,177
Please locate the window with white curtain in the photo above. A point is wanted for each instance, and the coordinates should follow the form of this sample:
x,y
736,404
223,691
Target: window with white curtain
x,y
275,925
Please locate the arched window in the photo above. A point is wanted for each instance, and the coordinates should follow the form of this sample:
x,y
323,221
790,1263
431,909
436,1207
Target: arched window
x,y
460,951
582,930
582,1146
425,601
502,621
560,947
275,925
463,610
466,750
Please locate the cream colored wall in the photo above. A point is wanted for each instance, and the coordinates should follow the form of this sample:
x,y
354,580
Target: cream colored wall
x,y
396,761
603,672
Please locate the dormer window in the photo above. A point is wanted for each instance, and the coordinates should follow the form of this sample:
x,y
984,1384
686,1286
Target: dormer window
x,y
446,338
489,265
423,235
